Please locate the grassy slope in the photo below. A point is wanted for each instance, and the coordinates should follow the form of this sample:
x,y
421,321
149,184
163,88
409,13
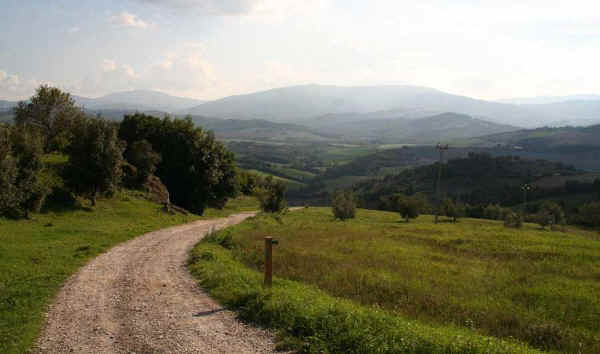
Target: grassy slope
x,y
539,286
38,255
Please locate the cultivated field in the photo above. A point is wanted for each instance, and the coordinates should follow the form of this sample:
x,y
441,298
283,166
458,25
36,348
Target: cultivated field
x,y
540,287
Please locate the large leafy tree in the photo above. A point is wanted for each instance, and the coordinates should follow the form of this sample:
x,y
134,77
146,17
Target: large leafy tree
x,y
21,187
53,112
196,168
95,159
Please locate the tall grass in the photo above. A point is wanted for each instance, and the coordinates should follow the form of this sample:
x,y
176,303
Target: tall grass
x,y
541,287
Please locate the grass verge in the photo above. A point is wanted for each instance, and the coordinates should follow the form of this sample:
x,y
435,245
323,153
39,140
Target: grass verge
x,y
38,255
311,321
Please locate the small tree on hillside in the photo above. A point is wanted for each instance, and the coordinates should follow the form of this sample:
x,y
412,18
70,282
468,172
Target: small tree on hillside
x,y
550,214
408,207
271,195
512,219
145,160
95,158
51,111
343,205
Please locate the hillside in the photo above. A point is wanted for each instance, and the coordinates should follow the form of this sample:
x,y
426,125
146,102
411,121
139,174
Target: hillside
x,y
299,103
337,283
543,138
426,130
475,179
260,129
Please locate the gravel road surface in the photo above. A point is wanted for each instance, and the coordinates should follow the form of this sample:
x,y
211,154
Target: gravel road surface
x,y
139,298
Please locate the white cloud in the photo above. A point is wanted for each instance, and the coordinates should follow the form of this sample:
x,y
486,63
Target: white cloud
x,y
13,87
126,19
73,30
108,65
209,7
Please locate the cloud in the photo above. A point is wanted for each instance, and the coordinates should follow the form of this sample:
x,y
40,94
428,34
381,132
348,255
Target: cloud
x,y
108,65
73,30
129,20
209,7
13,87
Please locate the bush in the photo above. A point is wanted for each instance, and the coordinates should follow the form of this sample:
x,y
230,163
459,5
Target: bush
x,y
408,207
493,212
343,205
512,219
271,195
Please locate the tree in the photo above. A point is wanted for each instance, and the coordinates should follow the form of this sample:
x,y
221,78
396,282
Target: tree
x,y
551,214
141,155
452,210
589,214
512,219
408,207
95,159
51,111
21,187
596,187
196,168
343,205
271,195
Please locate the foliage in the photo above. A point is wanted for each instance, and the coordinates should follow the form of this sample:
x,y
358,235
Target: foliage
x,y
409,207
22,188
589,214
271,195
145,160
311,321
452,210
464,274
247,181
512,219
343,204
550,214
95,159
54,113
197,169
494,212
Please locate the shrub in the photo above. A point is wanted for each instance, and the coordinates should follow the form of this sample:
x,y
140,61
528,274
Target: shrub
x,y
493,212
408,207
512,219
271,195
343,205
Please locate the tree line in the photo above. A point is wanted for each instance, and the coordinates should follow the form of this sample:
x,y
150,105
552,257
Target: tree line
x,y
103,156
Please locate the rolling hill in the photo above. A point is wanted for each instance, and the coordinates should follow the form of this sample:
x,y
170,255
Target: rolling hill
x,y
543,138
441,127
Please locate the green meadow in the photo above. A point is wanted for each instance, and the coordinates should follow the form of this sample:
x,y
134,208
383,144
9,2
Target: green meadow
x,y
536,286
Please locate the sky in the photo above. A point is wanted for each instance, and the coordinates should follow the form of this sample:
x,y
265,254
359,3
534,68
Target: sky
x,y
208,49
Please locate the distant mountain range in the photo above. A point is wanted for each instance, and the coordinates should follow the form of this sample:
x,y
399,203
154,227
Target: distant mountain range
x,y
318,105
141,100
565,138
302,104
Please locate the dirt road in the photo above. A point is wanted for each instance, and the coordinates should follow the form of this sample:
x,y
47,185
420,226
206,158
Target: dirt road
x,y
138,297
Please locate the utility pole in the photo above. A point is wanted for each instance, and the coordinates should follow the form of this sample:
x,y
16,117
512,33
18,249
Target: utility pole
x,y
525,188
441,148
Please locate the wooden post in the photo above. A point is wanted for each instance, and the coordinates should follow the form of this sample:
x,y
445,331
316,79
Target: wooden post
x,y
268,261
